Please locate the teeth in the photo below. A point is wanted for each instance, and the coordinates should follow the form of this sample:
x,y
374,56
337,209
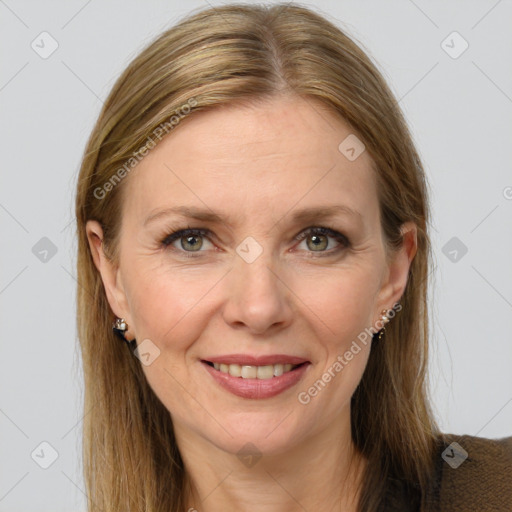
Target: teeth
x,y
254,372
265,372
249,372
278,370
235,370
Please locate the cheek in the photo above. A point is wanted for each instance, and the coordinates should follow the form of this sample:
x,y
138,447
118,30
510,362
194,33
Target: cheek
x,y
165,305
343,309
341,305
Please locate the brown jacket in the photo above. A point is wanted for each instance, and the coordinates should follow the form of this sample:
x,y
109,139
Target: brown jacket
x,y
475,474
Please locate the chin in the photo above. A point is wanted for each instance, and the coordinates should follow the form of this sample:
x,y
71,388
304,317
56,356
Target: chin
x,y
265,432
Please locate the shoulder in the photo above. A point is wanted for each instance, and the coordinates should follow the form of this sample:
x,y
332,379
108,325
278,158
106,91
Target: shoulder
x,y
474,473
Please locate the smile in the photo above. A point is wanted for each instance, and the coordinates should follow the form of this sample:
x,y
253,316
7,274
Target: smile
x,y
265,372
256,381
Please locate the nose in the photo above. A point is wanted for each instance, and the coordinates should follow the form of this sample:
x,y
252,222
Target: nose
x,y
257,296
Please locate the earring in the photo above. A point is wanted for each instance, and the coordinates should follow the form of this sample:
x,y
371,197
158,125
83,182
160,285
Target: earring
x,y
384,319
120,327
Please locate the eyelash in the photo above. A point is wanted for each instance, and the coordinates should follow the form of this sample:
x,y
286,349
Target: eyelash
x,y
314,230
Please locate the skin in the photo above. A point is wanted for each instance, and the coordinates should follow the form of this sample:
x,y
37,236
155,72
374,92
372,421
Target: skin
x,y
258,164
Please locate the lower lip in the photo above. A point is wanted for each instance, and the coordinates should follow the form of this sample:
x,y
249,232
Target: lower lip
x,y
257,388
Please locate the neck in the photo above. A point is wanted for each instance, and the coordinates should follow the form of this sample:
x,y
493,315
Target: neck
x,y
322,473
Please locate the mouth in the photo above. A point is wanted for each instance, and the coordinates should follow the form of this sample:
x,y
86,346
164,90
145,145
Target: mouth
x,y
263,372
267,379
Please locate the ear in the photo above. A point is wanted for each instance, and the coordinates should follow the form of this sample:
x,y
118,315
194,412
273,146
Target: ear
x,y
398,265
110,273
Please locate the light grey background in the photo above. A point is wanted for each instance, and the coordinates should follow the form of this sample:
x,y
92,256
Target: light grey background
x,y
459,110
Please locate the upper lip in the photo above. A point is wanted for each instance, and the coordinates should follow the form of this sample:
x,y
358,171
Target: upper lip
x,y
248,360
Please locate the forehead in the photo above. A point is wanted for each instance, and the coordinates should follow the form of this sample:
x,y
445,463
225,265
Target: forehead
x,y
254,158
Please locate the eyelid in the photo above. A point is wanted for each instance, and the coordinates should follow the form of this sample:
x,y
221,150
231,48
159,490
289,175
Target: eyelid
x,y
178,233
322,230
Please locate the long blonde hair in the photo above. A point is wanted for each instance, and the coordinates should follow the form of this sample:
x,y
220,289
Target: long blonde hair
x,y
220,56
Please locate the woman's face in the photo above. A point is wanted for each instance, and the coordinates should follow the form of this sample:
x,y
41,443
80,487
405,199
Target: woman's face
x,y
255,286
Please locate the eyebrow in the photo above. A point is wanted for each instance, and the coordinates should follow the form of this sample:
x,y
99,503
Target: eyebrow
x,y
304,215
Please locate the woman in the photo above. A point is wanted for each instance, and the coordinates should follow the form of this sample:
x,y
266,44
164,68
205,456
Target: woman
x,y
257,375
